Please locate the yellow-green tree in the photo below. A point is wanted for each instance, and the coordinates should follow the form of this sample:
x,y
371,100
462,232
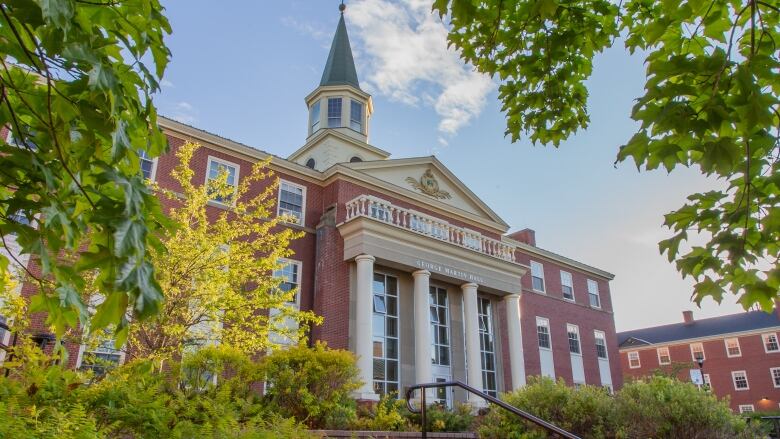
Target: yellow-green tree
x,y
216,270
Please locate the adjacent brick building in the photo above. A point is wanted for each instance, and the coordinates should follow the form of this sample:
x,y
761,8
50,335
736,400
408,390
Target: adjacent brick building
x,y
409,268
736,356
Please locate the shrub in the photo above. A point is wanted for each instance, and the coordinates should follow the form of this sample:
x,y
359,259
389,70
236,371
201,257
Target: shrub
x,y
665,407
312,385
389,414
587,411
42,400
441,418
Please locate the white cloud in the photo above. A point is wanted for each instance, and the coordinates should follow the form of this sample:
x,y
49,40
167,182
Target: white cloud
x,y
182,111
166,84
403,49
317,33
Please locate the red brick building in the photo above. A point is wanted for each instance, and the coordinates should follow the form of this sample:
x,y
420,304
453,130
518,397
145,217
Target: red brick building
x,y
410,269
739,353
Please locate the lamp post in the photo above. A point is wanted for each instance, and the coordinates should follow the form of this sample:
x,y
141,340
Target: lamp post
x,y
704,384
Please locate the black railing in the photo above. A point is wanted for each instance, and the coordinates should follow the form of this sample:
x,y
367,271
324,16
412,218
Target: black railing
x,y
514,410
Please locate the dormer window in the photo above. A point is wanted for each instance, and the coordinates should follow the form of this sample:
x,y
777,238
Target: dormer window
x,y
334,112
314,117
356,116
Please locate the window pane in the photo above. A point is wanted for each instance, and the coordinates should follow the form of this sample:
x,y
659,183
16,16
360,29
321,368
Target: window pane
x,y
314,117
334,112
356,116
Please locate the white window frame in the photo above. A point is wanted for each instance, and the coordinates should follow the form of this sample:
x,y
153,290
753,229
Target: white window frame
x,y
327,111
693,356
153,173
734,375
220,161
302,220
542,321
315,125
299,264
362,113
668,356
540,266
739,348
594,286
574,329
566,276
764,338
747,408
707,382
772,375
638,360
603,336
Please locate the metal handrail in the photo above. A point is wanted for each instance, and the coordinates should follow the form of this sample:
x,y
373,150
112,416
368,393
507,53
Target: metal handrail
x,y
514,410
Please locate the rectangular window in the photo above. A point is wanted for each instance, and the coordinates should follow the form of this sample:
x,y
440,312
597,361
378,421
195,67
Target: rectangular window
x,y
567,286
601,344
663,356
770,343
290,274
314,117
543,332
746,408
707,382
292,199
574,339
593,294
486,346
697,351
740,380
440,326
633,360
732,348
101,358
334,112
356,116
537,276
216,168
775,373
385,335
148,165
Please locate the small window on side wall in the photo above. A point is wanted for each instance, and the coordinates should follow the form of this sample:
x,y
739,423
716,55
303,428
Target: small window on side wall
x,y
217,167
314,117
567,286
537,276
292,201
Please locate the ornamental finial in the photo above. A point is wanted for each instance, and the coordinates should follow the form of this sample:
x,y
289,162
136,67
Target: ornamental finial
x,y
342,6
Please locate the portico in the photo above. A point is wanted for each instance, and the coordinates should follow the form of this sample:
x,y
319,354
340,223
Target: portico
x,y
423,300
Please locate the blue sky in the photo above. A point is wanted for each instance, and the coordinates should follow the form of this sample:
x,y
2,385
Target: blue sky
x,y
242,70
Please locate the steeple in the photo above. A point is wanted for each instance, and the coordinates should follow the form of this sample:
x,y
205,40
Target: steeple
x,y
339,112
340,67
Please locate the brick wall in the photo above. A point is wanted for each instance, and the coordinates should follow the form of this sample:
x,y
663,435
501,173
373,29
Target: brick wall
x,y
753,360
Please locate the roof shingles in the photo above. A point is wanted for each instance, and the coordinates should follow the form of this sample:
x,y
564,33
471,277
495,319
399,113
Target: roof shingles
x,y
715,326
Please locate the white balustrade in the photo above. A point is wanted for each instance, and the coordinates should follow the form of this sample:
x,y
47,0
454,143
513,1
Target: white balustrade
x,y
408,219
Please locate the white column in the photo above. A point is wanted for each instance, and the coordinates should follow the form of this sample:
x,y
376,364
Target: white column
x,y
516,360
422,333
363,331
473,355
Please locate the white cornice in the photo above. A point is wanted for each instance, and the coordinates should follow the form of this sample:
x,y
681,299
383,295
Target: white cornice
x,y
239,150
546,254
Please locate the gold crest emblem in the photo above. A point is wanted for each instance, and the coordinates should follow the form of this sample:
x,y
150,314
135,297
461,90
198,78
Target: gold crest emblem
x,y
428,185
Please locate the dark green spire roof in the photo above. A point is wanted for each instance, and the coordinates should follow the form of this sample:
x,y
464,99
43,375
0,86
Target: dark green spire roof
x,y
340,68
